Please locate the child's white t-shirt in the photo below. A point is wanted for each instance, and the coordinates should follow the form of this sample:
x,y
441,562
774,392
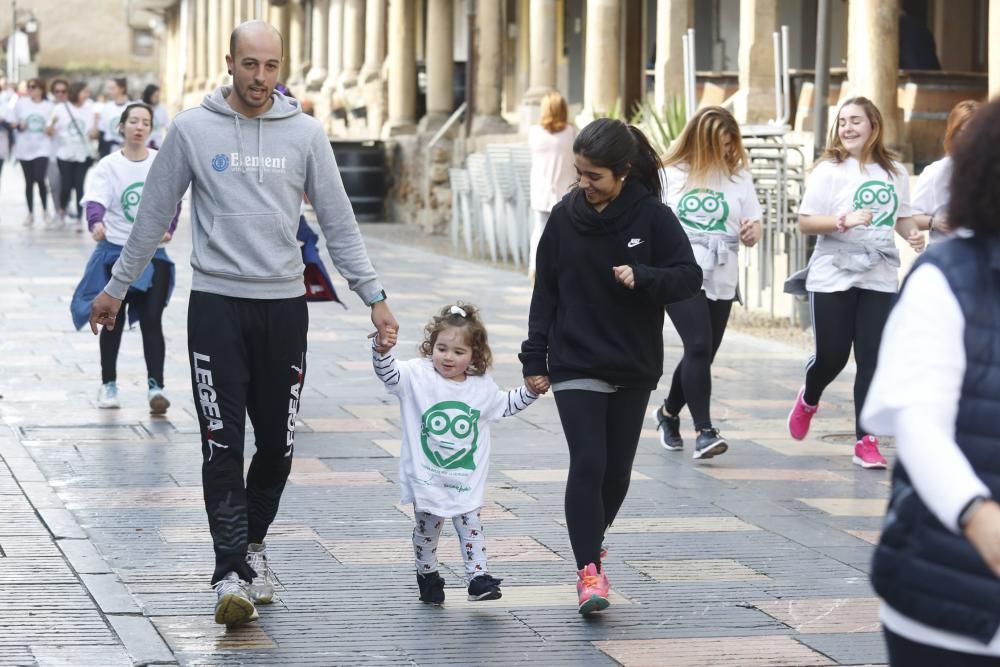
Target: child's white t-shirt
x,y
73,143
717,206
837,189
445,455
116,184
32,141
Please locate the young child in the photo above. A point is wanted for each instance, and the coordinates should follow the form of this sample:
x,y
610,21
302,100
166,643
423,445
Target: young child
x,y
447,403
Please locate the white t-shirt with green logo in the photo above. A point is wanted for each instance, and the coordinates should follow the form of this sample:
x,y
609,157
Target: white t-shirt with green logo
x,y
73,143
717,206
445,455
837,189
32,142
116,184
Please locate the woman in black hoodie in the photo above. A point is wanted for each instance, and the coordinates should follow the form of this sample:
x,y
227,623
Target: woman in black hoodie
x,y
611,257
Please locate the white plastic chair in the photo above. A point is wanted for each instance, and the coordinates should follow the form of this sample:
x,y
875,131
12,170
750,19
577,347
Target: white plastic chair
x,y
483,191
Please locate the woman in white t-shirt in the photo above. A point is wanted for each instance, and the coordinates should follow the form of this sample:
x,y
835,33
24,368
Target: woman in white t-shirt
x,y
931,196
707,183
33,146
73,126
856,197
116,93
151,96
552,170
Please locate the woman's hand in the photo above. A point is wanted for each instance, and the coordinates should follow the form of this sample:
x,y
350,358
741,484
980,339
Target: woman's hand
x,y
751,231
859,218
98,232
539,384
983,530
916,240
625,276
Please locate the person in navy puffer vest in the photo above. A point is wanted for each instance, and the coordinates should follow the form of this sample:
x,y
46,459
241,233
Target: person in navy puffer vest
x,y
937,390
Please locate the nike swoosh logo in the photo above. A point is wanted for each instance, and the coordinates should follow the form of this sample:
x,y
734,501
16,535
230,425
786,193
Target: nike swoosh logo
x,y
634,242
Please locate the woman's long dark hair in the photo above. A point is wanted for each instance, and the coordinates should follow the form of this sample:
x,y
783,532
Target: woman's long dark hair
x,y
623,149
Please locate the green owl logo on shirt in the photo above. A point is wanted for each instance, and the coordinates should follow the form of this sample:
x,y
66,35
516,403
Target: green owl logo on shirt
x,y
880,198
34,123
131,197
703,209
449,435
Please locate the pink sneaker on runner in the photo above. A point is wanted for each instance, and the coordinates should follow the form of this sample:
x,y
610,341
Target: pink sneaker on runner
x,y
592,587
801,416
867,455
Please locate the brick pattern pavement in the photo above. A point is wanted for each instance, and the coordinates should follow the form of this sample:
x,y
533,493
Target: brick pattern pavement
x,y
759,557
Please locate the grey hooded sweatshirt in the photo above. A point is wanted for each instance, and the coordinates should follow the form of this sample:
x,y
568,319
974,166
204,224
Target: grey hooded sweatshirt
x,y
247,176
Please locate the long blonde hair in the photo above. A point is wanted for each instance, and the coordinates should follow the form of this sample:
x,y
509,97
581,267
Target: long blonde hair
x,y
554,114
874,149
700,146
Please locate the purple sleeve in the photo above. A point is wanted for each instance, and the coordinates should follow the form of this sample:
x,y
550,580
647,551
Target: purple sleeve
x,y
95,214
173,221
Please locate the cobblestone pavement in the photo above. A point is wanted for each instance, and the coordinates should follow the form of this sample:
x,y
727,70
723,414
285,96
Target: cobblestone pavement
x,y
759,557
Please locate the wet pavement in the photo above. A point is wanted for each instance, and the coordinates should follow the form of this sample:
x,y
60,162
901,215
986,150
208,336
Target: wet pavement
x,y
759,557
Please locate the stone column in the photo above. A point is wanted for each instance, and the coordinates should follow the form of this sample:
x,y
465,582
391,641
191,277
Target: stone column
x,y
320,43
993,39
296,37
542,52
440,64
602,59
354,41
211,42
375,48
488,77
226,25
673,18
278,16
239,13
755,101
334,50
402,68
873,59
200,45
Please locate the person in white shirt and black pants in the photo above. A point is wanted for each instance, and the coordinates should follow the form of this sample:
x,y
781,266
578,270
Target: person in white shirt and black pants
x,y
937,390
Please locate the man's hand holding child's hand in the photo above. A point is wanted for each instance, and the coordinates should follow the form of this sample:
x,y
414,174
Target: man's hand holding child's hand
x,y
386,342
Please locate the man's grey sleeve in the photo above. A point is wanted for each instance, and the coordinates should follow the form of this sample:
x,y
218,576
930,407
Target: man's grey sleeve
x,y
168,179
336,218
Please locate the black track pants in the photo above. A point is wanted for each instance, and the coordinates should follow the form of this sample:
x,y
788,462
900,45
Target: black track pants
x,y
602,431
842,319
247,358
701,323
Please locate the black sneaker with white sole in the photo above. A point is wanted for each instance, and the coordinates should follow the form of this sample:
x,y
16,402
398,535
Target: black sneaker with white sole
x,y
709,444
431,588
670,431
484,587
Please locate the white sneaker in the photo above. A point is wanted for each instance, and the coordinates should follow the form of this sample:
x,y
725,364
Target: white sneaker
x,y
29,220
262,588
234,606
107,396
158,402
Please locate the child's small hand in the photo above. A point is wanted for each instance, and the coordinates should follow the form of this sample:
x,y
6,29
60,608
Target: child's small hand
x,y
385,343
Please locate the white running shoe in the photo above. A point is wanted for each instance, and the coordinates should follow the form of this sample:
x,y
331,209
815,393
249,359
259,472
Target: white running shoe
x,y
158,402
262,588
29,220
107,396
234,606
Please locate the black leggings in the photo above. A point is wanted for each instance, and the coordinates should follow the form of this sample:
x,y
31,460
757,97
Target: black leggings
x,y
701,323
150,304
35,173
906,653
72,175
602,431
842,319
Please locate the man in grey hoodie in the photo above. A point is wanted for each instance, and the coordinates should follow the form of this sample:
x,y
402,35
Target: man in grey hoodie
x,y
248,155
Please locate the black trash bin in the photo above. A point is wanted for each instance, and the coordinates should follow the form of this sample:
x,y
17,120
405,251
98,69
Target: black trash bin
x,y
362,168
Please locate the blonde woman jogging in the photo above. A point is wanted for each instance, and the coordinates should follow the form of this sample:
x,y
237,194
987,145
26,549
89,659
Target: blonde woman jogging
x,y
708,185
856,196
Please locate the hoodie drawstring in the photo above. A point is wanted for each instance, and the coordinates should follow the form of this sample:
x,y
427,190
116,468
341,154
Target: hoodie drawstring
x,y
260,150
239,142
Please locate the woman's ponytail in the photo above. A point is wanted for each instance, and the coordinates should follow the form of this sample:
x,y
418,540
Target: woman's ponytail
x,y
646,163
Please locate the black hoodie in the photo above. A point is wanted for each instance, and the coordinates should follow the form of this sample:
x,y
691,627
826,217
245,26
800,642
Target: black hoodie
x,y
585,324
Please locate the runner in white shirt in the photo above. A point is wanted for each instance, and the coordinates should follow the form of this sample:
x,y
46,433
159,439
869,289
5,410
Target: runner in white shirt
x,y
161,119
116,91
552,170
856,196
707,183
447,403
73,127
931,196
30,115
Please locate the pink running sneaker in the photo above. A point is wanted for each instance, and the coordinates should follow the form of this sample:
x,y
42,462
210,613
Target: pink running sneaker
x,y
592,587
801,416
867,455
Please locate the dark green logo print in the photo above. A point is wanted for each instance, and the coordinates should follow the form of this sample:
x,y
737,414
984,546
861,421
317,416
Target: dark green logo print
x,y
130,200
881,199
449,435
703,209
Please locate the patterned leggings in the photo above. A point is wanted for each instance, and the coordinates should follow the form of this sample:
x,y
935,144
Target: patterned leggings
x,y
469,527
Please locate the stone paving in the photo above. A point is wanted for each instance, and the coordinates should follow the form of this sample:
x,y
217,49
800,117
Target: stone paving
x,y
759,557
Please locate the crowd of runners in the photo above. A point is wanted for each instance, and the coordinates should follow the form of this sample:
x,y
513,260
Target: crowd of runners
x,y
637,238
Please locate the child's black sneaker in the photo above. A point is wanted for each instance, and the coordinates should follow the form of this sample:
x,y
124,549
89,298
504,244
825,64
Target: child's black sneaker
x,y
484,587
431,588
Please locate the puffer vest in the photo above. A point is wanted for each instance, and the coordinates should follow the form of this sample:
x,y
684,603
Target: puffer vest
x,y
920,568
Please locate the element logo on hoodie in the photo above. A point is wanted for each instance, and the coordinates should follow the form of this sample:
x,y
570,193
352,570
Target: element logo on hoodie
x,y
703,209
131,197
449,435
220,162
